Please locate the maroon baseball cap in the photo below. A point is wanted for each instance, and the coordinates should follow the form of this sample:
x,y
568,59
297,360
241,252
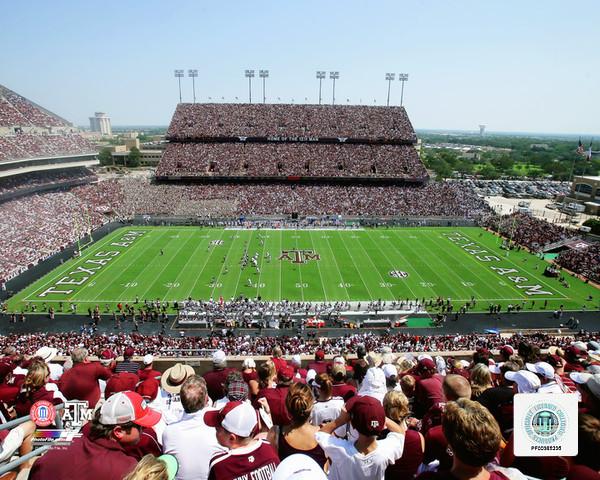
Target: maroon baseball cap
x,y
121,382
319,354
507,351
286,373
148,389
555,360
129,352
573,352
367,413
426,364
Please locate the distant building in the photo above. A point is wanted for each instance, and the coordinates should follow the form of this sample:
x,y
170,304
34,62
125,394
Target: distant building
x,y
132,142
100,122
585,190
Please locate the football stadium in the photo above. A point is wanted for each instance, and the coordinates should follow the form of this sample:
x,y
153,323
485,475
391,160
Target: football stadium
x,y
292,290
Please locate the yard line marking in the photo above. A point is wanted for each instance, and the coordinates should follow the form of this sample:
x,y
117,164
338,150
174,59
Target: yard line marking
x,y
212,293
318,267
338,268
249,241
205,262
358,269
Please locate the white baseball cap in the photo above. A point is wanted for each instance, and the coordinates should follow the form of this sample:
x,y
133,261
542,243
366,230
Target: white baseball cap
x,y
124,407
541,368
239,418
296,360
389,370
148,359
219,357
249,363
527,382
299,467
310,376
495,368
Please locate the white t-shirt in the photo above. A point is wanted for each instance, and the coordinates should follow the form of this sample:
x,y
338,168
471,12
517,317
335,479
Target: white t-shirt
x,y
349,464
328,411
193,443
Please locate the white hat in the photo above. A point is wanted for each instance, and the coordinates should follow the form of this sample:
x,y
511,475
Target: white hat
x,y
465,363
374,384
340,360
299,467
541,368
148,359
580,377
424,355
389,370
239,418
495,369
310,376
580,345
125,407
296,360
249,363
526,381
47,353
219,357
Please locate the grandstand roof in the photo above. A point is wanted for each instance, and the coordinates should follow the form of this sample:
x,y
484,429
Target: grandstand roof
x,y
291,122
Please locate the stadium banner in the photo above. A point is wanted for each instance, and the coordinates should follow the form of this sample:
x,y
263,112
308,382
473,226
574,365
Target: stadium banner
x,y
293,139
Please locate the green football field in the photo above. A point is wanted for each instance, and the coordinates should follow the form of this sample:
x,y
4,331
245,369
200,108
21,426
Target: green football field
x,y
174,263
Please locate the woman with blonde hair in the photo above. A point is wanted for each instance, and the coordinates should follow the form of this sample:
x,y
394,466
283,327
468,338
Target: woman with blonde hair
x,y
267,375
397,409
155,468
36,388
299,436
481,380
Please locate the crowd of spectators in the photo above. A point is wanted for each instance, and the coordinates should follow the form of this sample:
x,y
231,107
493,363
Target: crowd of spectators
x,y
46,178
172,346
291,159
528,231
370,411
17,110
585,261
219,120
37,226
28,145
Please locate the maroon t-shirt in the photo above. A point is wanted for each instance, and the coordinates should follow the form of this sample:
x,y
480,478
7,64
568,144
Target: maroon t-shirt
x,y
279,363
215,381
256,461
428,392
548,468
145,374
81,382
148,444
8,393
24,402
581,472
343,390
121,382
318,366
412,456
437,448
276,400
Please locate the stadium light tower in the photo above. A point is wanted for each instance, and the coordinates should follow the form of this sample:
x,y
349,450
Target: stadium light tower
x,y
403,77
320,76
250,76
179,76
264,74
334,76
194,75
389,77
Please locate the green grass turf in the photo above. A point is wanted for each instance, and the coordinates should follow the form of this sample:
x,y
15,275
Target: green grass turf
x,y
353,265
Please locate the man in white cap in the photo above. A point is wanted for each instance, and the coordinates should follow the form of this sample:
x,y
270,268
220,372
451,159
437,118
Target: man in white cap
x,y
215,379
545,372
48,354
100,454
236,424
524,380
147,371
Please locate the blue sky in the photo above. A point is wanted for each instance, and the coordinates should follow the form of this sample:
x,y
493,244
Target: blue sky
x,y
513,65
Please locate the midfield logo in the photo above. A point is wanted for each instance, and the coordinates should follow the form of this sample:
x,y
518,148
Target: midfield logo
x,y
299,256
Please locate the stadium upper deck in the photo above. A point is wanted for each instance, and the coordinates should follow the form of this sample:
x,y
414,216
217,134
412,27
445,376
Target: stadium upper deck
x,y
291,141
28,130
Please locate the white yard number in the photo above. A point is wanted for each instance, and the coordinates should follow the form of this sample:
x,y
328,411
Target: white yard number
x,y
215,285
326,236
427,284
172,285
344,285
261,285
468,284
385,284
384,237
130,284
91,284
503,284
302,285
